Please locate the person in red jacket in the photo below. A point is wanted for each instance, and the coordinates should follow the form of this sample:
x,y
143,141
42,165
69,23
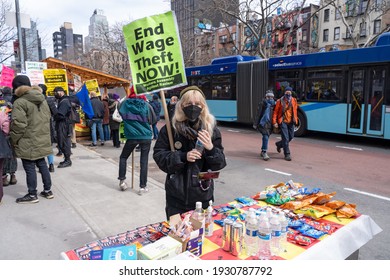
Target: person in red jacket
x,y
285,117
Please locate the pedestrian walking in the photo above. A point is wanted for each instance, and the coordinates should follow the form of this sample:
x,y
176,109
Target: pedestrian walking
x,y
30,136
106,118
263,121
5,149
113,103
285,117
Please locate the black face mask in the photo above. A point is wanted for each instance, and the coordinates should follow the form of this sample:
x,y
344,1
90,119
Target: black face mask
x,y
192,112
57,95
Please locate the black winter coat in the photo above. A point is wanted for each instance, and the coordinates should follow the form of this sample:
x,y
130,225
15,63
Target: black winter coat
x,y
267,129
182,186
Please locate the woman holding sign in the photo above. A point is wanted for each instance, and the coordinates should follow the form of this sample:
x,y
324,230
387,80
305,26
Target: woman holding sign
x,y
197,149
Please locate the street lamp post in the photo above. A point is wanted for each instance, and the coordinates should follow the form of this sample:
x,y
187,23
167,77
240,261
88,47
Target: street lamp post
x,y
19,27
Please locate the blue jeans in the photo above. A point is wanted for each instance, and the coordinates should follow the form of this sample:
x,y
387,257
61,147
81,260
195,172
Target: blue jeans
x,y
155,131
50,159
106,131
126,152
287,133
31,174
264,145
98,123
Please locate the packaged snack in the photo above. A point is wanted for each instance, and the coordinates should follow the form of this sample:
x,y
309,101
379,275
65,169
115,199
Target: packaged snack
x,y
335,204
347,211
324,198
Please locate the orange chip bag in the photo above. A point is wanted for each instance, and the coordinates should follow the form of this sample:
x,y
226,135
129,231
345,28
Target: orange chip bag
x,y
324,198
347,211
335,204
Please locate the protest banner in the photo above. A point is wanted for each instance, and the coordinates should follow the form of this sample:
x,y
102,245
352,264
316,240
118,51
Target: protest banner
x,y
155,54
55,78
93,85
6,76
34,71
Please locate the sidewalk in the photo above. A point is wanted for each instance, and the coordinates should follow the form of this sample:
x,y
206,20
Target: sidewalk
x,y
87,205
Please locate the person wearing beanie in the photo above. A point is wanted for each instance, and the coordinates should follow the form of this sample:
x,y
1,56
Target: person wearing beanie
x,y
63,126
138,116
285,117
263,121
30,136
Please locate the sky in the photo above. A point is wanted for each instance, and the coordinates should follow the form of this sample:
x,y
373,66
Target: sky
x,y
50,15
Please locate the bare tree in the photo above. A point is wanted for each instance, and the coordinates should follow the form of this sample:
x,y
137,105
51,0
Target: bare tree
x,y
7,33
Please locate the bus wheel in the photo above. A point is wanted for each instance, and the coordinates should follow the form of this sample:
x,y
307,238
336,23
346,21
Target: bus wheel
x,y
300,129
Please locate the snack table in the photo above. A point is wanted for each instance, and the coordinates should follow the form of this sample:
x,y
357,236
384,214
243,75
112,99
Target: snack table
x,y
350,235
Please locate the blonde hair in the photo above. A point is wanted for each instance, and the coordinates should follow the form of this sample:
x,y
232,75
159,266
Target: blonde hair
x,y
208,120
92,93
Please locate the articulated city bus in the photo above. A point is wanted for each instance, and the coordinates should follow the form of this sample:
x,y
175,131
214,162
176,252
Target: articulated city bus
x,y
344,92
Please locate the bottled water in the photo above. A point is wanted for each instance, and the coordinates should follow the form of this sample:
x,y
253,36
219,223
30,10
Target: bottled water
x,y
284,228
264,238
209,222
199,215
199,146
276,231
251,234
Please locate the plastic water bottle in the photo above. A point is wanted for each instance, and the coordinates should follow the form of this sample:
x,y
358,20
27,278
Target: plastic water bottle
x,y
276,231
284,228
251,234
199,146
264,238
209,221
199,215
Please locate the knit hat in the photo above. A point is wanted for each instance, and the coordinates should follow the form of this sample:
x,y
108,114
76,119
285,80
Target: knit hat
x,y
59,89
44,88
20,80
288,89
269,93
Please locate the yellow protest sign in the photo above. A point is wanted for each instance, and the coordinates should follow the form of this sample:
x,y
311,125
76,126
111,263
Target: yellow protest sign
x,y
55,78
155,56
93,85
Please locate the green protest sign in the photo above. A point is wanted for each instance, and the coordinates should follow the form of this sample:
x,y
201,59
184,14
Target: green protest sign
x,y
155,55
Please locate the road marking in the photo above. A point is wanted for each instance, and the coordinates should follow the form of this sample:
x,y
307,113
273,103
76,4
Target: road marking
x,y
349,148
276,171
369,194
235,131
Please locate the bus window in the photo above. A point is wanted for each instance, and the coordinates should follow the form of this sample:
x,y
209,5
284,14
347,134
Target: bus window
x,y
357,99
222,87
376,98
323,90
204,83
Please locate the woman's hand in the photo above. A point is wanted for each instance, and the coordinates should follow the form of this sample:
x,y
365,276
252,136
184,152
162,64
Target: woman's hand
x,y
205,139
193,155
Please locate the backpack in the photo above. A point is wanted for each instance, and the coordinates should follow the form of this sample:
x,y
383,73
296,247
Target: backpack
x,y
74,116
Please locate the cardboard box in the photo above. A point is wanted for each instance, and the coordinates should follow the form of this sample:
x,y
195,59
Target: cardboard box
x,y
115,253
185,256
195,242
164,248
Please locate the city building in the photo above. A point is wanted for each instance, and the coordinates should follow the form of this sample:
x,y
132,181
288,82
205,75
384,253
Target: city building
x,y
195,17
349,24
98,28
67,45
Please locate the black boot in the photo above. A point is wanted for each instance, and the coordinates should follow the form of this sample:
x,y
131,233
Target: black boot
x,y
65,163
51,167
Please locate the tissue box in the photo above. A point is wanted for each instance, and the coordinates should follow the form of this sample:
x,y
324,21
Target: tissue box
x,y
164,248
115,253
194,244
